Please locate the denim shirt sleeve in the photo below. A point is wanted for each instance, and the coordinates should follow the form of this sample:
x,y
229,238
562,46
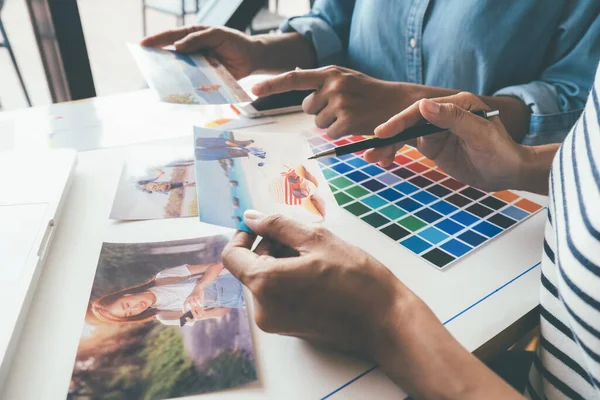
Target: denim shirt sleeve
x,y
327,27
557,98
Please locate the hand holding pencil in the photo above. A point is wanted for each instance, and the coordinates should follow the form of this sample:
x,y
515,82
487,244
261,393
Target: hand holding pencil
x,y
474,150
409,134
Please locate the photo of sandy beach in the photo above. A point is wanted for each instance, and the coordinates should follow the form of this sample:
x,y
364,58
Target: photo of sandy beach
x,y
157,182
266,172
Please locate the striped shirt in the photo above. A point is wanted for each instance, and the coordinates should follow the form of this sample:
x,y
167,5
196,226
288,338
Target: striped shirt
x,y
567,364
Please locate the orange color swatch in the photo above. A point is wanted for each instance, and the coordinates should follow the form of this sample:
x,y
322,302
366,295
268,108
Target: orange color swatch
x,y
428,162
414,154
507,196
528,205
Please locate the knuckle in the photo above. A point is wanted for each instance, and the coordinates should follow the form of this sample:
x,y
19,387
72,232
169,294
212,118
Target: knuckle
x,y
190,29
319,234
466,96
469,101
210,31
274,221
292,77
456,112
339,84
227,255
345,117
341,103
339,129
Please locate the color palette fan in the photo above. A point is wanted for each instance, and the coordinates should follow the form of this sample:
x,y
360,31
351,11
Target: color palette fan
x,y
417,205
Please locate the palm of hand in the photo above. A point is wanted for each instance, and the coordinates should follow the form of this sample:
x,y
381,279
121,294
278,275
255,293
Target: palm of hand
x,y
487,164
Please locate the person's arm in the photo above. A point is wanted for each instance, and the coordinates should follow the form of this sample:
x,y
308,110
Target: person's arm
x,y
200,314
211,271
346,102
421,356
475,151
327,28
556,97
537,162
159,171
544,110
283,52
168,317
514,113
350,301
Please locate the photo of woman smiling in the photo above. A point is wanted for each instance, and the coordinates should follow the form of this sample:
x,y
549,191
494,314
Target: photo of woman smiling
x,y
163,308
205,290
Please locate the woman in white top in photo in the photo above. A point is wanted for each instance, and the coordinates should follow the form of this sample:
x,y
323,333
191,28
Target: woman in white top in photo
x,y
205,290
354,303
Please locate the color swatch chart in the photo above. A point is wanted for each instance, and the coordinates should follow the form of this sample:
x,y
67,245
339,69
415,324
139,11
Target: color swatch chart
x,y
417,205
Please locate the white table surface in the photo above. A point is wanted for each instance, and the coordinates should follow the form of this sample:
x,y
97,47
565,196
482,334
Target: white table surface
x,y
477,298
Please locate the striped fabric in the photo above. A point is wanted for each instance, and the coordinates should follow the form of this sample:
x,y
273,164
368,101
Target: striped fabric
x,y
281,191
290,199
567,364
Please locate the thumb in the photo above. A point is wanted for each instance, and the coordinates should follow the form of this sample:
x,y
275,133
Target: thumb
x,y
284,230
457,120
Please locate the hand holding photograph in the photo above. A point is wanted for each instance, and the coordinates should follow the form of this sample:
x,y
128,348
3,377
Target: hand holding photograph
x,y
266,172
164,320
187,78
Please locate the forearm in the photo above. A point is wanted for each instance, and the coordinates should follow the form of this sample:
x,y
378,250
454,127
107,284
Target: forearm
x,y
283,52
421,356
535,168
211,271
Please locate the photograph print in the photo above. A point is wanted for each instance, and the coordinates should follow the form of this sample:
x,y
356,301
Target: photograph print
x,y
164,320
270,173
157,182
187,78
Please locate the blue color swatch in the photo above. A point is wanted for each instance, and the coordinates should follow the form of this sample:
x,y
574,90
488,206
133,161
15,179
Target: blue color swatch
x,y
428,218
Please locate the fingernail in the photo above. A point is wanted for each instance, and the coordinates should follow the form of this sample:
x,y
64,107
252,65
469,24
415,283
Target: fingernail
x,y
298,69
431,106
252,214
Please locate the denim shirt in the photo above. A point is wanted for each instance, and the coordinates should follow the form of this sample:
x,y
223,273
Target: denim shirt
x,y
541,51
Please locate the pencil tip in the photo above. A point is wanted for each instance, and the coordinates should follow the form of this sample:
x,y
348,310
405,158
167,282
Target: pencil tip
x,y
312,157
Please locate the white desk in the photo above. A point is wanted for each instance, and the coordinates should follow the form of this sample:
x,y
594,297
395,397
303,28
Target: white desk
x,y
478,298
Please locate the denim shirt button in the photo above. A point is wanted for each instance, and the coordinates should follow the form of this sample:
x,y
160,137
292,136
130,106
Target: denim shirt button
x,y
413,42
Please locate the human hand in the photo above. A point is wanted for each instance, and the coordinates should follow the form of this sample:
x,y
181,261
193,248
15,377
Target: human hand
x,y
345,102
237,51
195,302
473,150
310,284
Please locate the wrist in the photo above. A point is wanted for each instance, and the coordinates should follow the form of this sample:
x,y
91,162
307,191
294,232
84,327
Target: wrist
x,y
536,163
259,52
413,347
390,326
281,52
406,94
